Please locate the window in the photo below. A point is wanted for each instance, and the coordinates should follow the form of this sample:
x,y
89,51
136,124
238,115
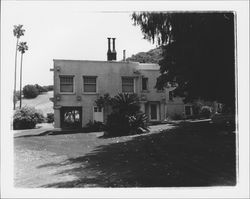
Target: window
x,y
170,95
66,84
97,109
89,84
144,83
128,84
188,110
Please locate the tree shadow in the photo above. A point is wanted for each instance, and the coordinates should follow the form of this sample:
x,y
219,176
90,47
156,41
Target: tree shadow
x,y
186,156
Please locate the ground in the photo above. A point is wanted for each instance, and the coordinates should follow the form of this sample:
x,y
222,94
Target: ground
x,y
189,154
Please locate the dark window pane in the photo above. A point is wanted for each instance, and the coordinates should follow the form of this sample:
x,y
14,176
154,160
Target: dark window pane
x,y
144,83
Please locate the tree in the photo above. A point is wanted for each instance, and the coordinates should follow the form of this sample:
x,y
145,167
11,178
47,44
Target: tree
x,y
198,53
30,91
22,47
18,32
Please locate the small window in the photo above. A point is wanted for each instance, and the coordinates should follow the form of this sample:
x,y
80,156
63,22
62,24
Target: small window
x,y
171,95
89,84
127,84
66,84
144,83
97,109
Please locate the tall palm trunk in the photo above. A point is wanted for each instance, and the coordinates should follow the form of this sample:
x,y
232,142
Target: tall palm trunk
x,y
21,68
14,100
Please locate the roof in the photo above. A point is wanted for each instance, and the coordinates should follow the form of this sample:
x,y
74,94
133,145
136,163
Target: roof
x,y
148,66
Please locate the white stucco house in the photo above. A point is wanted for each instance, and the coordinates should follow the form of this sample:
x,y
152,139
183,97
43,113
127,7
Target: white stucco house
x,y
78,83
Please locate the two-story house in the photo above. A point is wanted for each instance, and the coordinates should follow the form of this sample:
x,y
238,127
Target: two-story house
x,y
78,83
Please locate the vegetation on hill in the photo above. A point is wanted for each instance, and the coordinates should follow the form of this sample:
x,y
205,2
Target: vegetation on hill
x,y
152,56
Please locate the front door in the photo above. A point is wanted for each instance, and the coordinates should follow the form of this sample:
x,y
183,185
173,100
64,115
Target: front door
x,y
154,111
71,117
98,114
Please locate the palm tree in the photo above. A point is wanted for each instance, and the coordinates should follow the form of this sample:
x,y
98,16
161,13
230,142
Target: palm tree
x,y
18,32
22,47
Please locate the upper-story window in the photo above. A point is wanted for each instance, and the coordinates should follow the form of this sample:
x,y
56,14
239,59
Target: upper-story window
x,y
127,84
144,83
67,84
89,84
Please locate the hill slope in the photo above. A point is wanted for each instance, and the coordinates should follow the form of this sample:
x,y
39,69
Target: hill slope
x,y
152,56
41,102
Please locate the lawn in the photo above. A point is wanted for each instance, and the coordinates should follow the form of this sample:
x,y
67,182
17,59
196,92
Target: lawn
x,y
181,155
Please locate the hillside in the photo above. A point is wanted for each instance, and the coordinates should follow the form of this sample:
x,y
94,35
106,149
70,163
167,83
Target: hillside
x,y
41,102
152,56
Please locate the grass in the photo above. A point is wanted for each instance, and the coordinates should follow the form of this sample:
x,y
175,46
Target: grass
x,y
182,156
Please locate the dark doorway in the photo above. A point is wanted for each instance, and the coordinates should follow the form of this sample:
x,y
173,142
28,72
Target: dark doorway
x,y
71,117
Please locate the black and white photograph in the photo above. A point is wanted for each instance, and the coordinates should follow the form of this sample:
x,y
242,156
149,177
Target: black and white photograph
x,y
125,99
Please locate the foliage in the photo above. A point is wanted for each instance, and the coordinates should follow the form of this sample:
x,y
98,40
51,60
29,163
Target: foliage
x,y
95,126
48,88
50,117
198,53
103,101
27,118
177,117
41,89
126,118
30,91
16,96
125,104
22,47
152,56
18,31
206,112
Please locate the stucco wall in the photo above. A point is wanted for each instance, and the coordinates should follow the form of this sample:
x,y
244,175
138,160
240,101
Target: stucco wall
x,y
109,80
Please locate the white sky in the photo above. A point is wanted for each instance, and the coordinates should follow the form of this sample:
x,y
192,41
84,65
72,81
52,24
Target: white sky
x,y
64,30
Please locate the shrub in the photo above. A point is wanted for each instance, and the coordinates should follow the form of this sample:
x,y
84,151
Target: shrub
x,y
177,117
27,118
206,112
125,119
30,91
50,117
16,96
94,126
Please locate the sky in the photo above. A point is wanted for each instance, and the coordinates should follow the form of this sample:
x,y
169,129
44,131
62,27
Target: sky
x,y
65,30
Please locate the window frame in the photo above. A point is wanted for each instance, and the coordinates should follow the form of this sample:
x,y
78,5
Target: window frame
x,y
129,77
73,82
83,84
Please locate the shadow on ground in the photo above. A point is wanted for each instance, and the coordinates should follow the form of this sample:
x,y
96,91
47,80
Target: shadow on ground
x,y
188,155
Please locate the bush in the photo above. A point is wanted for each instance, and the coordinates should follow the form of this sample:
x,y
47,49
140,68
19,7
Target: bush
x,y
94,126
27,118
206,112
50,117
177,117
16,96
30,91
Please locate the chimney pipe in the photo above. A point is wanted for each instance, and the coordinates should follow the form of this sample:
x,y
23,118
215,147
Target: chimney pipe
x,y
113,52
124,55
109,54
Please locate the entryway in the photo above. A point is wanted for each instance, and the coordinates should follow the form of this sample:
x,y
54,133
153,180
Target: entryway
x,y
154,111
71,117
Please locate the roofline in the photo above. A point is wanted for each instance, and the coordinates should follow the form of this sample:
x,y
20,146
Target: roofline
x,y
98,61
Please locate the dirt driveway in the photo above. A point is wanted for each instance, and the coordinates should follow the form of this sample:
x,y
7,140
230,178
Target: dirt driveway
x,y
177,156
